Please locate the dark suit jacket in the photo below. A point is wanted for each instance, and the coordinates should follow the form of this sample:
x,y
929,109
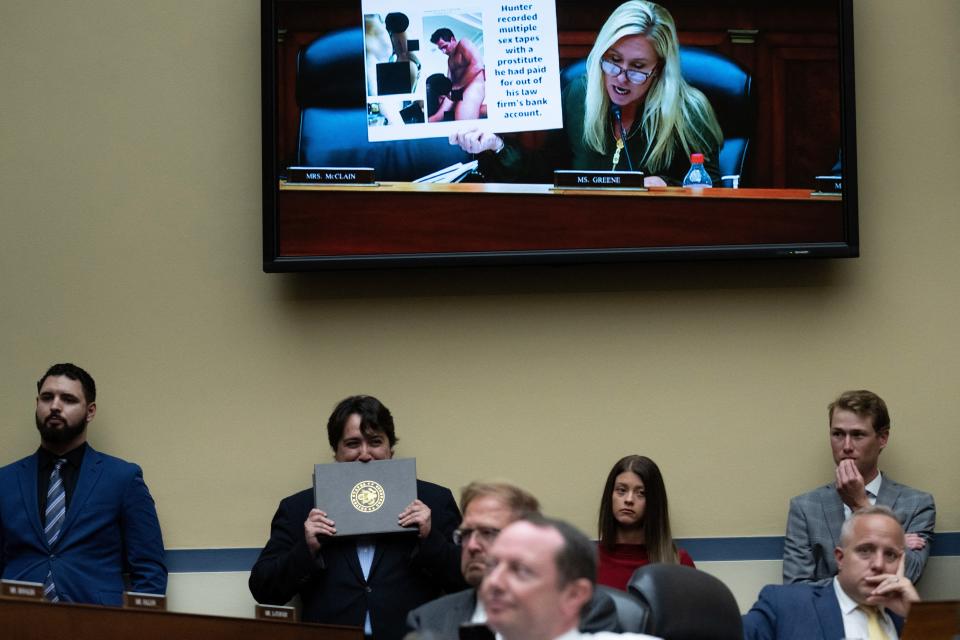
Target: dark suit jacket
x,y
815,518
406,571
110,528
442,617
797,612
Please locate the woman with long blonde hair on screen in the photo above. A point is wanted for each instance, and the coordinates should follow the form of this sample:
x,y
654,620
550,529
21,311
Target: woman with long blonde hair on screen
x,y
632,108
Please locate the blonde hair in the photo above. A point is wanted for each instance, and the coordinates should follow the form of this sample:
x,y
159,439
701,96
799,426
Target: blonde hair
x,y
675,115
516,499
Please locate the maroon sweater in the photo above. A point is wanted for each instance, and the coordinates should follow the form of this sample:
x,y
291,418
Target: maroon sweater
x,y
615,567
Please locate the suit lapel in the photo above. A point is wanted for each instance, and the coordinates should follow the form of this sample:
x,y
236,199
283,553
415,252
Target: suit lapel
x,y
463,612
889,492
27,479
468,606
353,560
897,621
90,471
828,612
377,555
833,513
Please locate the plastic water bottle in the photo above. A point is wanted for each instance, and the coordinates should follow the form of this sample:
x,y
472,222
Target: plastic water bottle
x,y
697,177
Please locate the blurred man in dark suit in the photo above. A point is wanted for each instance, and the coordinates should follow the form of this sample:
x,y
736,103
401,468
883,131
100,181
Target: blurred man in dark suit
x,y
540,575
487,509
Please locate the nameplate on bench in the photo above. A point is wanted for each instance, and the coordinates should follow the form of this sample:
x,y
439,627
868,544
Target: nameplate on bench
x,y
274,612
135,600
829,186
21,590
360,176
573,179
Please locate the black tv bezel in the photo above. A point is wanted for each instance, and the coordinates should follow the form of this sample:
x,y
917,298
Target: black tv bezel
x,y
274,262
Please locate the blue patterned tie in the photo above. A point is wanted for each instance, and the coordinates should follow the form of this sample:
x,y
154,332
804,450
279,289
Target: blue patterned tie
x,y
56,510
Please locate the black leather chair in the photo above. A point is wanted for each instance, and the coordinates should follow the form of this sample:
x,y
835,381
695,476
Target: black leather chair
x,y
331,94
728,87
686,603
631,613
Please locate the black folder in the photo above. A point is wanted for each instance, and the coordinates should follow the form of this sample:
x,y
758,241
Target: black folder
x,y
365,498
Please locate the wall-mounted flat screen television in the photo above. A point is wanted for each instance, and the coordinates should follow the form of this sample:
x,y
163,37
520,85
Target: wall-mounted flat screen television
x,y
447,132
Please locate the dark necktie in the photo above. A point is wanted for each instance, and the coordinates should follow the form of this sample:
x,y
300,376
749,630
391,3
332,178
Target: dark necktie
x,y
56,511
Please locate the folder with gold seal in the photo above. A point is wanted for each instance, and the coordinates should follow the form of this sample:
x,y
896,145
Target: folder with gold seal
x,y
365,498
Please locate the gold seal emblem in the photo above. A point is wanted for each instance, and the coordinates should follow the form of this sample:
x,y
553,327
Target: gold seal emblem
x,y
367,496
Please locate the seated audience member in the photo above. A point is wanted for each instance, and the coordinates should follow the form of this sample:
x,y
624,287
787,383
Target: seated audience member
x,y
868,598
540,574
859,431
634,70
487,509
71,517
370,582
634,523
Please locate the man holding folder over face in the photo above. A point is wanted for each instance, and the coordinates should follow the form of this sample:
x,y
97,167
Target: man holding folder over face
x,y
366,581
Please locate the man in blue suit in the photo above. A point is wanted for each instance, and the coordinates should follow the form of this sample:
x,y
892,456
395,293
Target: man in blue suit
x,y
367,581
868,598
71,517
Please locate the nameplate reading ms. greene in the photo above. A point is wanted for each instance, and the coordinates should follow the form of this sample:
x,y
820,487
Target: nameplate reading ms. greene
x,y
331,175
570,179
365,498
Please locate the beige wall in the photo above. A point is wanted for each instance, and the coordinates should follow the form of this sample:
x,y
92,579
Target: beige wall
x,y
130,243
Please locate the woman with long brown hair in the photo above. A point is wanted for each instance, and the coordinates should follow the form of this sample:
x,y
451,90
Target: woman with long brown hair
x,y
634,523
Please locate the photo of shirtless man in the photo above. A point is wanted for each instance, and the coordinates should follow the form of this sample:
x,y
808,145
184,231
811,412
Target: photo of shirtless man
x,y
467,76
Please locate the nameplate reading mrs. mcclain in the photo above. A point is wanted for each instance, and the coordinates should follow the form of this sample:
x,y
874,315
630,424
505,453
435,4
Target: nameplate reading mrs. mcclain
x,y
575,179
331,175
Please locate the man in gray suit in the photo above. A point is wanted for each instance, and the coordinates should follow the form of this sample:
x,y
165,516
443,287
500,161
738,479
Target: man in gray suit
x,y
488,508
859,431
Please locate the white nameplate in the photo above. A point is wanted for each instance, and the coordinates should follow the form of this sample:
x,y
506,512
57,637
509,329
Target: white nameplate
x,y
274,612
574,179
135,600
361,176
21,589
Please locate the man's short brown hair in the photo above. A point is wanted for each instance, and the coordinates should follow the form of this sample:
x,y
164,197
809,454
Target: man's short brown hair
x,y
864,404
519,501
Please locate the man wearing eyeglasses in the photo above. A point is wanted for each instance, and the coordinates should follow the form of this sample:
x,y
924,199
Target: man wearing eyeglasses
x,y
859,431
488,508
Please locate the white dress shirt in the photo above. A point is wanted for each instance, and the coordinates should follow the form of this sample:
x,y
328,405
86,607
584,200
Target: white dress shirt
x,y
854,618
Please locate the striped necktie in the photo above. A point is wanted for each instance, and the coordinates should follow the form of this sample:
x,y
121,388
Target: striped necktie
x,y
56,511
874,630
